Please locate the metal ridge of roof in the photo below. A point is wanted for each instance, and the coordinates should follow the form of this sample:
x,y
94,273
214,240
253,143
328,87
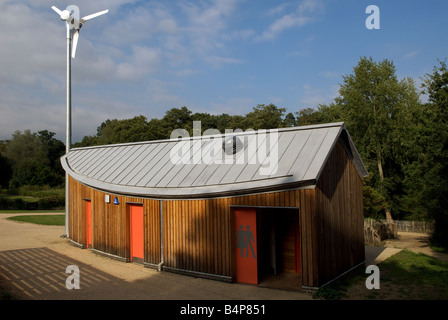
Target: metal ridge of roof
x,y
146,168
238,133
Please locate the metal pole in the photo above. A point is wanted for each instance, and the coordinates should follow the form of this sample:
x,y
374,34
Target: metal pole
x,y
68,133
159,266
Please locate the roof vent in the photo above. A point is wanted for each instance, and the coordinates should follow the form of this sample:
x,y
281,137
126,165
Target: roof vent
x,y
232,145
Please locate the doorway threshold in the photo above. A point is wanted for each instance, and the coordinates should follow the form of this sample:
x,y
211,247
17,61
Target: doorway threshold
x,y
283,281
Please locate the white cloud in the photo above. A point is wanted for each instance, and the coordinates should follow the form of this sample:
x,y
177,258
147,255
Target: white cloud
x,y
329,75
412,54
216,61
132,27
206,24
278,9
305,13
186,72
168,26
144,60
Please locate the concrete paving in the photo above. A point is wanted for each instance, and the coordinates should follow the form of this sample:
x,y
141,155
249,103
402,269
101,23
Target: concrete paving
x,y
33,262
34,258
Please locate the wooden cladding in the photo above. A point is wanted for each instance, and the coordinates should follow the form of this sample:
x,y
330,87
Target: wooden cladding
x,y
199,235
340,222
110,222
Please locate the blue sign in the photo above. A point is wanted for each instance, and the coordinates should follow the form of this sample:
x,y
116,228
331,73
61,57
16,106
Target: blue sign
x,y
116,200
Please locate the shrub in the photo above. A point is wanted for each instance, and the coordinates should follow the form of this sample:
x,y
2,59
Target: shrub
x,y
4,203
19,204
51,202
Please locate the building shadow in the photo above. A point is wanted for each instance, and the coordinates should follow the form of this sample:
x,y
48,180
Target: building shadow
x,y
39,274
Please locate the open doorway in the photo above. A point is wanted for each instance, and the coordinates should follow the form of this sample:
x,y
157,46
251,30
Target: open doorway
x,y
268,247
279,258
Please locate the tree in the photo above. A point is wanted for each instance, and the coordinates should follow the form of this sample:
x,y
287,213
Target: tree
x,y
176,118
371,102
121,131
427,176
53,148
290,120
28,154
265,117
5,172
308,116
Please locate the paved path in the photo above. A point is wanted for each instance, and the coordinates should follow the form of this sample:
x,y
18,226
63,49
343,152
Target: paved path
x,y
416,242
33,260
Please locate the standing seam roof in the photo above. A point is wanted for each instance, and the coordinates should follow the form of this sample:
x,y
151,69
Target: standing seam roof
x,y
199,167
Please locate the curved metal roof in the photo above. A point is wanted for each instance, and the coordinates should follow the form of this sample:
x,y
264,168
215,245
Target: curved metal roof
x,y
195,167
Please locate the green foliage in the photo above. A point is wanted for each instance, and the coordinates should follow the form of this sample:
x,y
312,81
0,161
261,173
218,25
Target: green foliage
x,y
33,198
374,202
32,159
375,105
426,177
5,171
265,117
140,129
309,116
51,202
402,141
290,120
405,275
420,276
333,292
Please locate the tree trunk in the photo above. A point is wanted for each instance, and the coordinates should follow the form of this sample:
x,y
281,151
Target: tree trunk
x,y
381,172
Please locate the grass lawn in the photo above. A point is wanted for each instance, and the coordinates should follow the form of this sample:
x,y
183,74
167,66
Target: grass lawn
x,y
404,276
25,198
54,220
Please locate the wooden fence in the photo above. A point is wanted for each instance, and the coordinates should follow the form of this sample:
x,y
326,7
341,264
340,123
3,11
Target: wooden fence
x,y
413,226
376,231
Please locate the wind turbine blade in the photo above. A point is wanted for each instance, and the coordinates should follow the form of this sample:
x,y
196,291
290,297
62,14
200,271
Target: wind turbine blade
x,y
59,12
75,43
94,15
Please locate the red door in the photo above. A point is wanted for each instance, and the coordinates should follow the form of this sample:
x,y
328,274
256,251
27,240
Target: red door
x,y
136,221
246,245
88,224
298,247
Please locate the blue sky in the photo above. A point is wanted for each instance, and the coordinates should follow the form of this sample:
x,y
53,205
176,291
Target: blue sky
x,y
146,57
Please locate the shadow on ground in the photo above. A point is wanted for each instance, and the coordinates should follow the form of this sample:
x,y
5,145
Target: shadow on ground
x,y
39,273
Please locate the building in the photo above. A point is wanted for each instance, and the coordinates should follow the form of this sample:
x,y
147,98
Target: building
x,y
277,205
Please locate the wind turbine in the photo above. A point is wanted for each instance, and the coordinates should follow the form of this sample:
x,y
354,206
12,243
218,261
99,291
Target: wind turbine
x,y
73,23
71,16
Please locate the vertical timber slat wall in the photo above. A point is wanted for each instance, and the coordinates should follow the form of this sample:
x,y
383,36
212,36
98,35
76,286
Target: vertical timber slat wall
x,y
110,222
340,217
197,234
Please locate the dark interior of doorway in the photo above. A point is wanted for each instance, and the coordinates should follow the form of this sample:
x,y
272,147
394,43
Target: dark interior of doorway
x,y
276,240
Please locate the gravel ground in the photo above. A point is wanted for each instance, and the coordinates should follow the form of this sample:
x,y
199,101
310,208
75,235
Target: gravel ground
x,y
34,258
